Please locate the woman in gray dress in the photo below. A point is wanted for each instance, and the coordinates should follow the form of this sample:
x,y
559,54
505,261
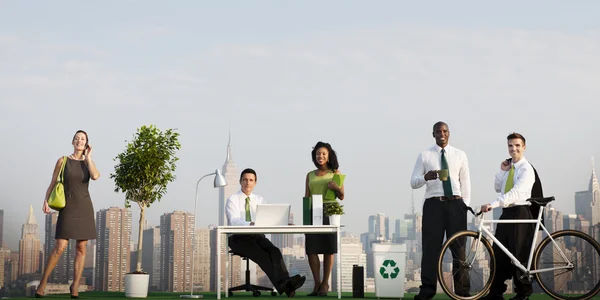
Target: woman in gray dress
x,y
76,219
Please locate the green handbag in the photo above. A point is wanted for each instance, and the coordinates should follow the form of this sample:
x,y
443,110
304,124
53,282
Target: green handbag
x,y
57,199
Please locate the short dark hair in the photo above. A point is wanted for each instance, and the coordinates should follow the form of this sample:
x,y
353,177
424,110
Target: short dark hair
x,y
332,163
248,171
439,124
515,135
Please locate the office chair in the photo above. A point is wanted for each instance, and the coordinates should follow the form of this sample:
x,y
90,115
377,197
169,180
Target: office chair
x,y
255,289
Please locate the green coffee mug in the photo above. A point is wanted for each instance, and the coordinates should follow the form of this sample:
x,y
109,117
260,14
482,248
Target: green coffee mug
x,y
443,174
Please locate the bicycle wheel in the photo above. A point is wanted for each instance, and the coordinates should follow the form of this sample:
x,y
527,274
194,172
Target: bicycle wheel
x,y
466,266
581,280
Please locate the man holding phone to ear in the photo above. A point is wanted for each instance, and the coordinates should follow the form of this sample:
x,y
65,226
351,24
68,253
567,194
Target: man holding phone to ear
x,y
514,182
445,171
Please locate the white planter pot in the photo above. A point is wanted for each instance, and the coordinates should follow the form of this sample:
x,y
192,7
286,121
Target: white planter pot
x,y
136,285
335,220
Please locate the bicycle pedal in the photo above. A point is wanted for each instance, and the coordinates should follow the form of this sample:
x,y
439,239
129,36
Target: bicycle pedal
x,y
527,279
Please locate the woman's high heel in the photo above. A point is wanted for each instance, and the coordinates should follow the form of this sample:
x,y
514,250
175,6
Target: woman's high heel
x,y
314,294
71,290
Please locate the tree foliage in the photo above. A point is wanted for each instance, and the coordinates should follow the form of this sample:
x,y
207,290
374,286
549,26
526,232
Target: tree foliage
x,y
143,171
147,166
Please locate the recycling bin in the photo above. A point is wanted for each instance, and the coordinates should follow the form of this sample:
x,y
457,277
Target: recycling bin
x,y
389,261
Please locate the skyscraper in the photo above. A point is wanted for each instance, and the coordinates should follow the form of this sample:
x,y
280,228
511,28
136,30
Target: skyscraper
x,y
235,264
63,272
4,263
30,246
176,238
587,203
284,240
372,224
151,256
231,175
351,255
382,226
113,226
202,260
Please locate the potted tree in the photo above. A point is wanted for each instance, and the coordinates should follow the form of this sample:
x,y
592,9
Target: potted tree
x,y
142,173
334,210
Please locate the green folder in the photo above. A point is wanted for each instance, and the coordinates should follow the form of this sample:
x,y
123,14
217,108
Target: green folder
x,y
339,180
306,211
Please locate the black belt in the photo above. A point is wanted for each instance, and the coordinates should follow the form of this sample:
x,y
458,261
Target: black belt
x,y
444,198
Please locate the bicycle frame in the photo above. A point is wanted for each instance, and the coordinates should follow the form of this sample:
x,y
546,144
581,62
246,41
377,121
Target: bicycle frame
x,y
527,271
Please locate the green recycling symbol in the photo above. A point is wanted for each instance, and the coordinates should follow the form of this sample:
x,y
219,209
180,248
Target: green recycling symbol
x,y
383,270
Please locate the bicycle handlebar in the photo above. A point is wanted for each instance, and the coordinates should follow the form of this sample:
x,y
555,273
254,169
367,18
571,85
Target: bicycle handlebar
x,y
473,212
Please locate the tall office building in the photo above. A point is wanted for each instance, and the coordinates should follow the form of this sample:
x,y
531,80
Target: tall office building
x,y
202,260
553,219
231,175
587,203
113,226
351,255
151,256
284,240
63,272
176,238
30,247
235,274
4,263
379,225
372,224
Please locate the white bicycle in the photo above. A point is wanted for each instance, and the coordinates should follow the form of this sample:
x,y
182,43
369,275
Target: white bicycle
x,y
566,264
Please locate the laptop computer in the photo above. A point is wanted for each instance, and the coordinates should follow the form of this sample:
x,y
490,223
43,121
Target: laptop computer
x,y
272,215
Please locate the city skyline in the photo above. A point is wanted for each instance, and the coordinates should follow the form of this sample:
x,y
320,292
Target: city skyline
x,y
371,79
379,224
115,248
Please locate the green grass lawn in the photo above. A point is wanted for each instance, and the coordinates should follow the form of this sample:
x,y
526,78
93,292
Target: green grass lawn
x,y
248,296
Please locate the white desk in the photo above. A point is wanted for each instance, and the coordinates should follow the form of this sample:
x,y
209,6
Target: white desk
x,y
227,230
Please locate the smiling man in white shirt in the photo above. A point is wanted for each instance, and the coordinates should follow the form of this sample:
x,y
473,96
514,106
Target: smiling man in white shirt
x,y
241,209
444,210
514,182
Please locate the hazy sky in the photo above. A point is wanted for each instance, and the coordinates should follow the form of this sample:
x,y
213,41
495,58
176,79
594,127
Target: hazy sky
x,y
370,77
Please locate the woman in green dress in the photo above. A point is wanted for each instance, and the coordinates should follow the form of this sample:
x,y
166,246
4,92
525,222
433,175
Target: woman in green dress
x,y
318,182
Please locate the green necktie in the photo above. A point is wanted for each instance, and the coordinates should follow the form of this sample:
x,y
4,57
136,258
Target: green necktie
x,y
447,185
510,180
248,215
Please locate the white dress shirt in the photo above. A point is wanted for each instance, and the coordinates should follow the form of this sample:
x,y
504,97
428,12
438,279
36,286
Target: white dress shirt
x,y
523,181
235,208
431,159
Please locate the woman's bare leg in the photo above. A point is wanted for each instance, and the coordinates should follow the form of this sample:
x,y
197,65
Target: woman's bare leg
x,y
315,268
78,265
327,267
57,251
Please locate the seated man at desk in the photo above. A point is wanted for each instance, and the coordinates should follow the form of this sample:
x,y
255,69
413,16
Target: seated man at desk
x,y
240,210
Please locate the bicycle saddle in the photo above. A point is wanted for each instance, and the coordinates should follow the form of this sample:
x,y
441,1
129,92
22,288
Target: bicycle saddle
x,y
541,201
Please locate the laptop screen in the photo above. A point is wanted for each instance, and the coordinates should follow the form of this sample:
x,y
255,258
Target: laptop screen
x,y
272,214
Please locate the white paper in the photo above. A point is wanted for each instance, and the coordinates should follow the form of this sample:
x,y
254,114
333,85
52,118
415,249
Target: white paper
x,y
317,209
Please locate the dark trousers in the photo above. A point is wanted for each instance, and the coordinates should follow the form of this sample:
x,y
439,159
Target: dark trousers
x,y
439,217
260,250
517,238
